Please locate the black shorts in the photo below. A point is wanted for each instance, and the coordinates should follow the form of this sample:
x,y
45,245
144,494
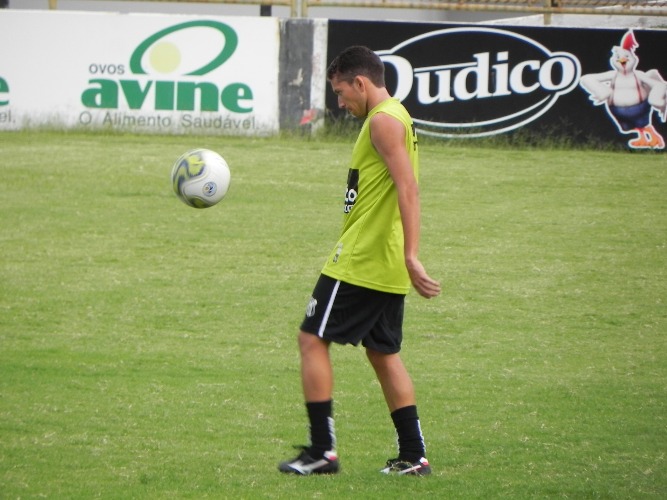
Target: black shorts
x,y
348,314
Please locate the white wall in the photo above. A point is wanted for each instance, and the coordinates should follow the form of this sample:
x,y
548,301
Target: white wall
x,y
141,72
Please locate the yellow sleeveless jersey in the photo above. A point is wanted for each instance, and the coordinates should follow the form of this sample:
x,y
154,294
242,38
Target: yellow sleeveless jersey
x,y
369,252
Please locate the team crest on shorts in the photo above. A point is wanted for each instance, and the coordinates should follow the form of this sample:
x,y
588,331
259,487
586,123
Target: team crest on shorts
x,y
310,308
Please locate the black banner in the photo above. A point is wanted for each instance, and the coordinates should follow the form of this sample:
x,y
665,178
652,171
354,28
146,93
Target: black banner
x,y
586,85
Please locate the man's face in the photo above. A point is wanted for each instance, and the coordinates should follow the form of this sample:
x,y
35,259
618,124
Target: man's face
x,y
351,96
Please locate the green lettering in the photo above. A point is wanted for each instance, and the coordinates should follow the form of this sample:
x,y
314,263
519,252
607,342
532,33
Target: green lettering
x,y
104,96
169,96
164,95
208,96
233,94
134,94
4,88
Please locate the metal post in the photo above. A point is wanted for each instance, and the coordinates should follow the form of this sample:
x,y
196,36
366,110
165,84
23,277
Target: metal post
x,y
299,8
547,15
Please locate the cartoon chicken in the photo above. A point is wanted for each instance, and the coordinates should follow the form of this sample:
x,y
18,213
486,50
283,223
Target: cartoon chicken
x,y
629,95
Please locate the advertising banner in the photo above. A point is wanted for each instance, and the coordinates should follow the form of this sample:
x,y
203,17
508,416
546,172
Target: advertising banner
x,y
139,72
469,81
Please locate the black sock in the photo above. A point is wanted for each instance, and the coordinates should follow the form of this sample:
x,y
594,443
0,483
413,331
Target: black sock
x,y
410,440
322,436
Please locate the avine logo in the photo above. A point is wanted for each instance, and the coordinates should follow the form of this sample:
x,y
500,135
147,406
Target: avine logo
x,y
451,73
207,46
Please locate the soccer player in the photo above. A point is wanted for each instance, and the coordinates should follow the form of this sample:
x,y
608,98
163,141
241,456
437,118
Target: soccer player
x,y
360,294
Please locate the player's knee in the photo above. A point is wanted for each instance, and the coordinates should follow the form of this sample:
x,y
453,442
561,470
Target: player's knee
x,y
381,360
309,342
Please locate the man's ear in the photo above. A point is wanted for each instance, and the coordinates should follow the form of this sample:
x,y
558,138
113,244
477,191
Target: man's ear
x,y
359,84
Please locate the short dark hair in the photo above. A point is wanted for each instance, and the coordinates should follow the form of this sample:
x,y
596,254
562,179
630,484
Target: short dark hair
x,y
357,61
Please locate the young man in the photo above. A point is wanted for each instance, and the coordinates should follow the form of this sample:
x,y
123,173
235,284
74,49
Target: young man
x,y
360,294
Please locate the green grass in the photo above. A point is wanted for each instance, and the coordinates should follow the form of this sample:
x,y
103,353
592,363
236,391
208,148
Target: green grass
x,y
147,349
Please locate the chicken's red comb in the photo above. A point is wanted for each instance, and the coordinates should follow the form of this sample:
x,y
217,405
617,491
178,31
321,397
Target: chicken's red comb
x,y
629,42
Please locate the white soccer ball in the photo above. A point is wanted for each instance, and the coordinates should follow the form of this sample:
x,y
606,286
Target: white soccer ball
x,y
200,178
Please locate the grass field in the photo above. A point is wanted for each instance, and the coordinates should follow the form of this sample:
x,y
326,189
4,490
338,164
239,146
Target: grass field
x,y
147,349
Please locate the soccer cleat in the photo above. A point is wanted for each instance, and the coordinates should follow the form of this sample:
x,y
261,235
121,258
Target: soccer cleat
x,y
403,467
305,465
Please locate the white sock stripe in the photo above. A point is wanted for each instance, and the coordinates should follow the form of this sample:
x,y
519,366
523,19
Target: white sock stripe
x,y
421,436
332,433
327,312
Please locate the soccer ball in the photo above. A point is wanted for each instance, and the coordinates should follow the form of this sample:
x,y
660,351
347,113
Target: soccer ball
x,y
200,178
